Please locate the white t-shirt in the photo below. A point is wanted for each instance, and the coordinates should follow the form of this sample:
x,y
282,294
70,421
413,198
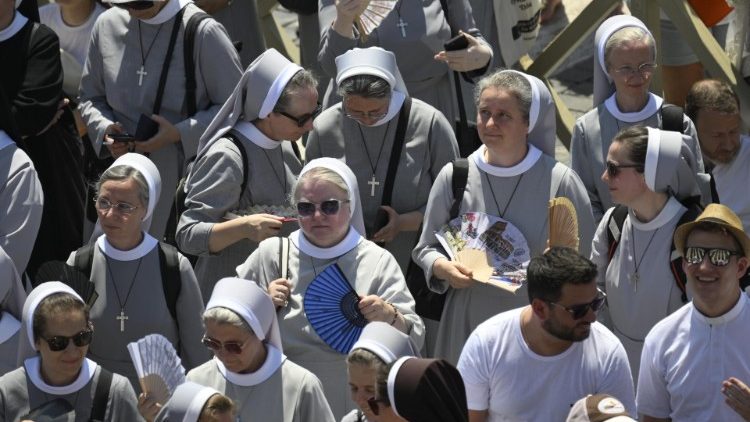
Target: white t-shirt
x,y
502,375
731,182
686,357
73,39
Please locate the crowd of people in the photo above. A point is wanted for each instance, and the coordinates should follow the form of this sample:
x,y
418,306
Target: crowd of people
x,y
315,284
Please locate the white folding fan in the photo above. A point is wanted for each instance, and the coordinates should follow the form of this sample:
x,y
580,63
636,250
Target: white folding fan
x,y
373,15
158,367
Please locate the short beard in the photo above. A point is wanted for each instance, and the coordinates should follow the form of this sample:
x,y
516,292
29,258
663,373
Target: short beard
x,y
562,333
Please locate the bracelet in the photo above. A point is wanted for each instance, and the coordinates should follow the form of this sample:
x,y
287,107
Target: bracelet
x,y
395,313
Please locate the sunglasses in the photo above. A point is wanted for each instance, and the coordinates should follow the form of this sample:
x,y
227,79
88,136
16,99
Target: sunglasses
x,y
613,170
329,207
580,311
372,402
233,347
718,257
135,5
60,343
121,207
303,119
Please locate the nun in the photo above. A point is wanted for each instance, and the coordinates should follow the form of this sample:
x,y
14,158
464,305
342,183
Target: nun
x,y
193,402
378,346
56,333
649,172
513,175
421,390
12,297
375,120
131,278
624,63
249,365
251,141
330,217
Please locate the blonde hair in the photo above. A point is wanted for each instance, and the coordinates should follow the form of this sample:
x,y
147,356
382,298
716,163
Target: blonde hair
x,y
320,174
627,35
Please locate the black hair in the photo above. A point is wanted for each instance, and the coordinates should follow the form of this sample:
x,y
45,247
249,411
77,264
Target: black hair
x,y
548,273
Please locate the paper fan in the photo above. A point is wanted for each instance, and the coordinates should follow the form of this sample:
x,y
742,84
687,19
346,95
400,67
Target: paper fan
x,y
563,223
479,262
373,15
60,271
158,367
331,305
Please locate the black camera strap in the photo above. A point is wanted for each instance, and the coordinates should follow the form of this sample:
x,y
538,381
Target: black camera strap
x,y
395,158
167,61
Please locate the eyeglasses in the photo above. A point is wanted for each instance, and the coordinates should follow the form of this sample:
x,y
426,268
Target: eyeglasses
x,y
303,119
613,170
580,311
233,347
718,257
60,343
103,204
135,5
645,70
358,115
372,402
329,207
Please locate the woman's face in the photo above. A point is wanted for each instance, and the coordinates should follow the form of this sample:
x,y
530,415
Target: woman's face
x,y
364,110
321,229
117,222
280,127
628,184
630,70
62,367
362,387
252,353
500,122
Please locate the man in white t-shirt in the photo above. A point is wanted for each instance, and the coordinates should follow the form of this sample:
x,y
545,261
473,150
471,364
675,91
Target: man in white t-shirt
x,y
715,110
535,362
700,351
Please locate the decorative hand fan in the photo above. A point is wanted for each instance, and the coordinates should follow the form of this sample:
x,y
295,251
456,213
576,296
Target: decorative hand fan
x,y
158,367
372,16
288,213
331,305
563,223
60,271
483,272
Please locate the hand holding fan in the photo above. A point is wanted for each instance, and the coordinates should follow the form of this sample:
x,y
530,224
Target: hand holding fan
x,y
563,223
332,307
371,17
158,367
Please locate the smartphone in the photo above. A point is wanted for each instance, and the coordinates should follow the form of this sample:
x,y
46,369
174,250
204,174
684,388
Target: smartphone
x,y
459,42
121,137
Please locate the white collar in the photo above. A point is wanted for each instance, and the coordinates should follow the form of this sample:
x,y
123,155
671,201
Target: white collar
x,y
729,316
532,156
167,12
671,208
147,245
651,107
19,21
394,107
5,140
9,326
349,242
251,132
274,359
33,370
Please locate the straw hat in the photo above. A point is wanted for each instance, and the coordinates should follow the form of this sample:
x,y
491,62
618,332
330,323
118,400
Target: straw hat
x,y
717,214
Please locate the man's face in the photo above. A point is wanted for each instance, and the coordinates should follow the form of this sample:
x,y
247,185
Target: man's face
x,y
715,288
719,135
561,323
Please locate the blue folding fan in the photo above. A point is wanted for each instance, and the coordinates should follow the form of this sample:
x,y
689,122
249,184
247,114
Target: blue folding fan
x,y
331,305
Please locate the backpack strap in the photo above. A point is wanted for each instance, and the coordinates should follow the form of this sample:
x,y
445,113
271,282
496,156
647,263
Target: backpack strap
x,y
398,144
167,61
238,143
694,209
101,395
614,229
671,118
171,281
83,259
458,184
188,47
558,174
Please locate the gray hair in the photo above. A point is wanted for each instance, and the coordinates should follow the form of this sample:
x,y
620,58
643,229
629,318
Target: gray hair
x,y
627,35
321,174
366,358
304,79
221,315
512,82
367,86
123,173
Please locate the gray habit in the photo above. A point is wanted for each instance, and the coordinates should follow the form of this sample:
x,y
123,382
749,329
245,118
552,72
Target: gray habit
x,y
467,308
429,145
241,22
110,91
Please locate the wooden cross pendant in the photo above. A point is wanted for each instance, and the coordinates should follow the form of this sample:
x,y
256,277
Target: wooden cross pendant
x,y
122,319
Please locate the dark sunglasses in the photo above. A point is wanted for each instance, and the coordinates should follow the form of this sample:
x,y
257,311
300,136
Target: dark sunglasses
x,y
717,256
580,311
329,207
302,120
59,343
614,169
135,5
232,347
372,402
